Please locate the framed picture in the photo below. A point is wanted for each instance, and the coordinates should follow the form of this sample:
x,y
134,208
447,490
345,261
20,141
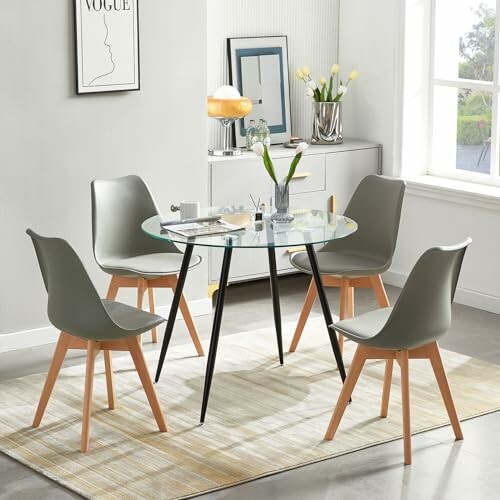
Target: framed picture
x,y
107,45
258,68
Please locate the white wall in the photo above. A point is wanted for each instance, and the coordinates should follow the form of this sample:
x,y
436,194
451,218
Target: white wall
x,y
369,37
312,31
371,40
53,143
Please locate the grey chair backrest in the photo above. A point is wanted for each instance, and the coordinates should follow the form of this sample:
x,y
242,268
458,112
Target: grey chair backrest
x,y
119,207
422,313
376,207
74,306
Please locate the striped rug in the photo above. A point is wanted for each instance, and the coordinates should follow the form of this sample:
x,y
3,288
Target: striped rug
x,y
262,418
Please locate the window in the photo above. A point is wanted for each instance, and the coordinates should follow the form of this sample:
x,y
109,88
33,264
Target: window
x,y
464,90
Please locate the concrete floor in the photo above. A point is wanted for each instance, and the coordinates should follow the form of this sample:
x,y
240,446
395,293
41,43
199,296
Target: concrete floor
x,y
442,469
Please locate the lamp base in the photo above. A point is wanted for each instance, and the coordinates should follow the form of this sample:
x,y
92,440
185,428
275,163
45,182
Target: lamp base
x,y
224,152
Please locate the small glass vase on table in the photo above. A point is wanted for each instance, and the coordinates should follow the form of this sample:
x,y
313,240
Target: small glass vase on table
x,y
281,188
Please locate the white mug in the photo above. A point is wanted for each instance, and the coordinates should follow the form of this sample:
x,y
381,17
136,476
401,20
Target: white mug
x,y
189,209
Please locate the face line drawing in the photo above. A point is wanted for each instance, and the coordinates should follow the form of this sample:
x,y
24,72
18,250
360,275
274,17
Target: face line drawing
x,y
110,54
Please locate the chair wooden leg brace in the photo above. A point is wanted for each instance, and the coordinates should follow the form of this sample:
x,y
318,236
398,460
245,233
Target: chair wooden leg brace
x,y
132,345
431,352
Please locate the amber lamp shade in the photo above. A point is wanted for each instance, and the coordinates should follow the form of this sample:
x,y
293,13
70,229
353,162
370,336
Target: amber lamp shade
x,y
229,108
227,111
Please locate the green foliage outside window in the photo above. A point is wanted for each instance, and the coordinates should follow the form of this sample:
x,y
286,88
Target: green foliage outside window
x,y
477,53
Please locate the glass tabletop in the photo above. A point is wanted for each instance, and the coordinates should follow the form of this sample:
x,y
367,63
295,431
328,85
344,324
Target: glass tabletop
x,y
310,226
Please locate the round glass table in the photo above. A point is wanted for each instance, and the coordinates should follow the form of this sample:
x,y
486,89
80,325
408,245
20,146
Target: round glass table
x,y
310,227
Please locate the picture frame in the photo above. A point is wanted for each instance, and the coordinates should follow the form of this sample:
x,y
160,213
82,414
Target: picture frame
x,y
106,45
258,68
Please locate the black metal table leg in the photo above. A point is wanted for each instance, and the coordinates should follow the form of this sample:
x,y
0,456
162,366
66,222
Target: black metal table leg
x,y
326,309
174,307
214,341
273,277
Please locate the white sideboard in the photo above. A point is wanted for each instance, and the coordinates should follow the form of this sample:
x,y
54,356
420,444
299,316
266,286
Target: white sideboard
x,y
322,172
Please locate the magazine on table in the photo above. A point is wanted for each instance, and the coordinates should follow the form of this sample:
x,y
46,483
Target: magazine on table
x,y
203,228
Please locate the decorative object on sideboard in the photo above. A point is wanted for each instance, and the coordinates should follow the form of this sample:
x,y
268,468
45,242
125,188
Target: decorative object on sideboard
x,y
227,105
258,68
281,188
327,105
107,46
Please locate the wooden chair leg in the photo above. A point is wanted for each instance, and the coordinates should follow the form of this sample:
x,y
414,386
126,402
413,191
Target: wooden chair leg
x,y
147,383
312,293
345,395
141,288
92,350
55,366
109,380
193,332
343,313
384,407
442,380
350,301
113,288
402,357
379,291
151,300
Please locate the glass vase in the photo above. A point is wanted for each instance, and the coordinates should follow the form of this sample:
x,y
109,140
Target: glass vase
x,y
282,204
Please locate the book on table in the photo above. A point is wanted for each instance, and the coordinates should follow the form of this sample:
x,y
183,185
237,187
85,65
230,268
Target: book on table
x,y
203,228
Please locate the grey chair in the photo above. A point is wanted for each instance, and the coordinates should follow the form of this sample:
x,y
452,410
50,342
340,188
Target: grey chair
x,y
409,330
123,250
359,260
87,322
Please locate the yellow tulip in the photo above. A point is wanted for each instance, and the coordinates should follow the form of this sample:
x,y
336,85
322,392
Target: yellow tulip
x,y
354,74
335,69
299,74
322,81
305,70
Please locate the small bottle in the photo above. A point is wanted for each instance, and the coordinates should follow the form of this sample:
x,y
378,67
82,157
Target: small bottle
x,y
251,131
266,134
260,132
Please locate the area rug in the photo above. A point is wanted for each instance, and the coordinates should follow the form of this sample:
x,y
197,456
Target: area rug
x,y
262,418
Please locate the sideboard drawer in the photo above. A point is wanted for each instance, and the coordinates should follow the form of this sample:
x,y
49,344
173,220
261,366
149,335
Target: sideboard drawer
x,y
310,174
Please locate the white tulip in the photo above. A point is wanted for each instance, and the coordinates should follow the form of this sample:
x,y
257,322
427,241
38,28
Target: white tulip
x,y
335,69
342,89
312,84
258,149
309,92
302,146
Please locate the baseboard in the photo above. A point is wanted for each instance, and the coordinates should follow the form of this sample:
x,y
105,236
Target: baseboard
x,y
48,335
471,298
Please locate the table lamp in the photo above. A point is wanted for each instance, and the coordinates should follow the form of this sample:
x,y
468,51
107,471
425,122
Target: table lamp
x,y
227,105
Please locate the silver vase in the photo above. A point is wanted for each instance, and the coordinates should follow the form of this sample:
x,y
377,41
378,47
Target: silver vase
x,y
282,204
327,123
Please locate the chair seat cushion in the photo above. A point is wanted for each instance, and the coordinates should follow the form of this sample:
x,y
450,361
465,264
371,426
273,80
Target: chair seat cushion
x,y
148,266
340,264
364,327
131,319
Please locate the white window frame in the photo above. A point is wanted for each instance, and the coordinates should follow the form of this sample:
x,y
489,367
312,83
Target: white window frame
x,y
493,178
